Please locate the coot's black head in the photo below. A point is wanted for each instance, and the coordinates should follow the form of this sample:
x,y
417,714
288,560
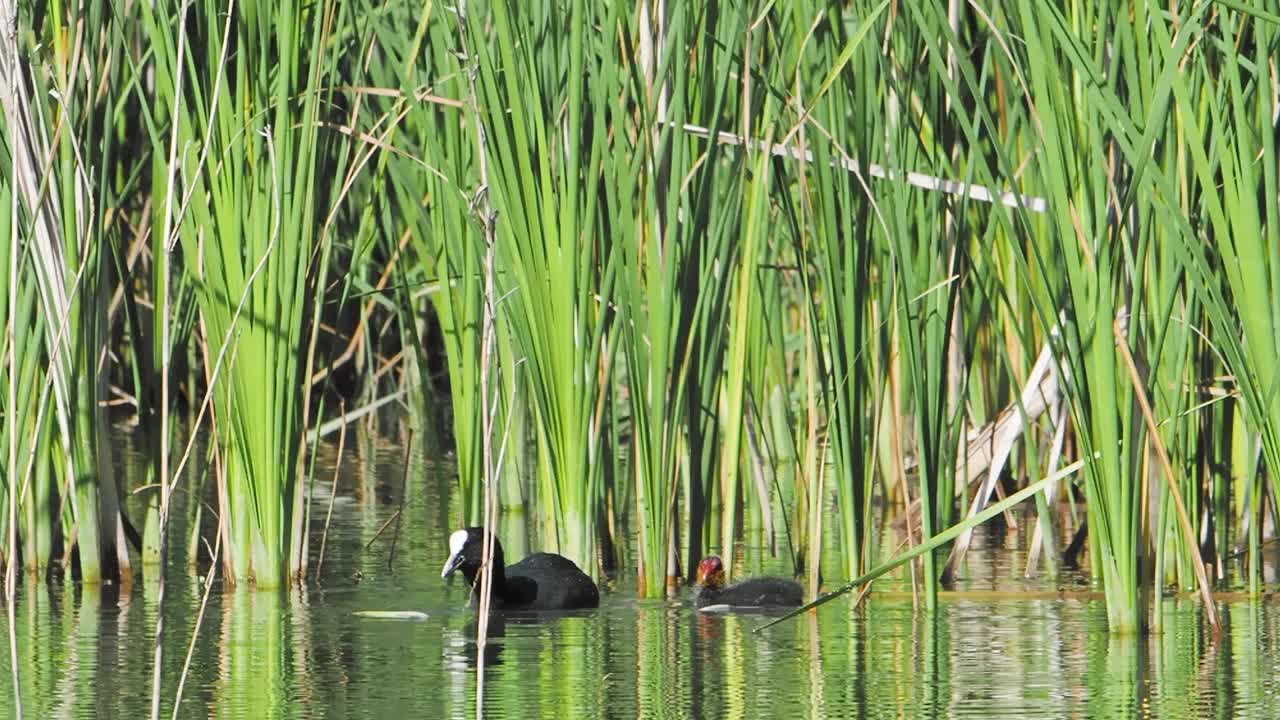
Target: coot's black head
x,y
710,573
466,553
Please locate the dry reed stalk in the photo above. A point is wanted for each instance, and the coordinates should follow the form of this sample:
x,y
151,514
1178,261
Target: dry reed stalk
x,y
404,491
195,632
333,493
487,340
1038,540
971,191
11,551
1184,523
993,445
158,652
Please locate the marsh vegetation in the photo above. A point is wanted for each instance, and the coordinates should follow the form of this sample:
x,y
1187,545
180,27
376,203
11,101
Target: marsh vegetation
x,y
662,279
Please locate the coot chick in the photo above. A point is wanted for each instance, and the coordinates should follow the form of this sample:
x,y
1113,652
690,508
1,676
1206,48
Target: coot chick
x,y
762,592
542,581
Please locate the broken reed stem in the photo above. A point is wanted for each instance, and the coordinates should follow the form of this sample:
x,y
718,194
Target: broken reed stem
x,y
920,180
404,487
382,528
333,493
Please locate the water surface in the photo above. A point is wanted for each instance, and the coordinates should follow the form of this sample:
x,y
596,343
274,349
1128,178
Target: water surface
x,y
87,652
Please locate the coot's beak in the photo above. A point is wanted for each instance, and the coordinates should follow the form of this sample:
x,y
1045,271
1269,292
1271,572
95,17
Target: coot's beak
x,y
451,564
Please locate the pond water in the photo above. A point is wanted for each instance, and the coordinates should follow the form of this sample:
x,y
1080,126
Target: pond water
x,y
87,653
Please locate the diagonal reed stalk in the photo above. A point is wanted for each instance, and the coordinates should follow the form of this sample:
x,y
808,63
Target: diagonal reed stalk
x,y
930,545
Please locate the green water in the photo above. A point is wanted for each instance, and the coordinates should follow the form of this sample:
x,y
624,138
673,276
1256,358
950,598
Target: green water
x,y
306,654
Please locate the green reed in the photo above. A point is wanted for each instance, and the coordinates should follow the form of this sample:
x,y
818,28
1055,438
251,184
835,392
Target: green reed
x,y
758,250
61,92
545,129
670,299
836,240
248,225
1228,147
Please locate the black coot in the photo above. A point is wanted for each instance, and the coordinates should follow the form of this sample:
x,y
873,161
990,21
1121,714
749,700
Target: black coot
x,y
542,581
761,592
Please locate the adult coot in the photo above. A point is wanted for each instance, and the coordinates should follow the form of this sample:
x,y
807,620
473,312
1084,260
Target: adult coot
x,y
542,581
762,592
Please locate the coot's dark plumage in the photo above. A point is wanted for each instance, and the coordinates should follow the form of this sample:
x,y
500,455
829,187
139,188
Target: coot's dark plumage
x,y
761,592
542,581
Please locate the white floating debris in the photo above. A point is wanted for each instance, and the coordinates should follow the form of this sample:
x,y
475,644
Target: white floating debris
x,y
393,614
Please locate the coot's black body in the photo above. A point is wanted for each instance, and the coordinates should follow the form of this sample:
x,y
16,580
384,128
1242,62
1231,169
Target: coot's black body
x,y
542,581
762,592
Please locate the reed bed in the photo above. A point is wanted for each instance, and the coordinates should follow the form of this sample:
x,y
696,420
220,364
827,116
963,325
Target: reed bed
x,y
752,270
